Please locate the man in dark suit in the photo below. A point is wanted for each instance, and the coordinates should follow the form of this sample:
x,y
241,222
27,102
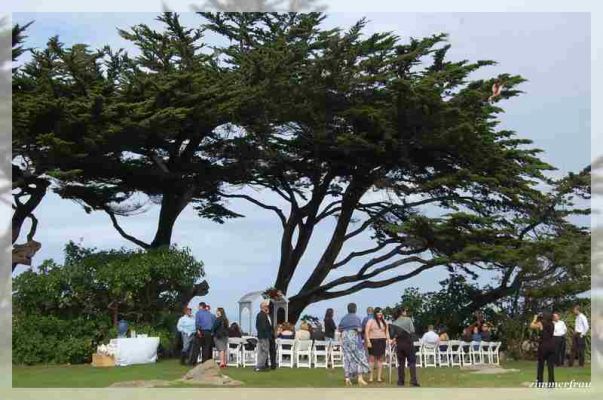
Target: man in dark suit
x,y
265,331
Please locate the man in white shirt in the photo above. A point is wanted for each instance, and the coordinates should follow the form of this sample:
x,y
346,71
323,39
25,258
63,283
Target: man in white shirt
x,y
559,338
430,338
186,327
578,342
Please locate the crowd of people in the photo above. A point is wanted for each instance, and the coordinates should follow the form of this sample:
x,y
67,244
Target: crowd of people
x,y
551,347
364,341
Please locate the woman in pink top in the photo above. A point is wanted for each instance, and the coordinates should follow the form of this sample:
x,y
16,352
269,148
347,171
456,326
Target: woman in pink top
x,y
376,336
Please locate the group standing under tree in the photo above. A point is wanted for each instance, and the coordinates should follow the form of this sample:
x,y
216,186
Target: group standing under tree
x,y
364,342
551,347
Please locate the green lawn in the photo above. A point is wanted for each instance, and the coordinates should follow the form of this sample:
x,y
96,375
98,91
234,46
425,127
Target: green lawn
x,y
87,376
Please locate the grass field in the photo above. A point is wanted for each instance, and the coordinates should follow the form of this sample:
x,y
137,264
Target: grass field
x,y
83,376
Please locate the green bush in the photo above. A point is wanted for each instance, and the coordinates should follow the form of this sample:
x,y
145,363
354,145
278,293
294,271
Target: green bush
x,y
61,312
51,340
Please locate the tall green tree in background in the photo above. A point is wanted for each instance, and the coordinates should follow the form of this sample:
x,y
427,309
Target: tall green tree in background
x,y
386,137
116,133
29,185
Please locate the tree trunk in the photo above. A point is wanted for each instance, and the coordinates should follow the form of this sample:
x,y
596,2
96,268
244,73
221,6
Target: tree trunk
x,y
114,308
22,212
171,206
296,307
290,256
333,249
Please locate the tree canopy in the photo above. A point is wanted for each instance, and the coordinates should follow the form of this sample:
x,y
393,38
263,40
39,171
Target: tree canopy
x,y
386,136
116,133
357,133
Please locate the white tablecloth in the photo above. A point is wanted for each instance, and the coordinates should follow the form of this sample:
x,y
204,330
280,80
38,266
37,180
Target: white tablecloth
x,y
139,350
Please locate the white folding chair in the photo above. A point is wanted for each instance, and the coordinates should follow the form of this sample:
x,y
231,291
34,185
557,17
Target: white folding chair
x,y
336,354
418,347
285,352
494,352
429,352
303,353
474,351
233,352
249,355
443,354
484,352
466,353
320,353
455,353
390,355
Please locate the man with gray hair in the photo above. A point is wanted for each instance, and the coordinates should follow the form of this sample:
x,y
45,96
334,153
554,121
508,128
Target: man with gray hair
x,y
263,326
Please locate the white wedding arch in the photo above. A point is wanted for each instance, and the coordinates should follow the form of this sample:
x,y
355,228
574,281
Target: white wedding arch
x,y
250,303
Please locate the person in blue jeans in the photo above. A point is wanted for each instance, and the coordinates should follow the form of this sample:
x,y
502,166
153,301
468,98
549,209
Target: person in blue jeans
x,y
186,328
203,339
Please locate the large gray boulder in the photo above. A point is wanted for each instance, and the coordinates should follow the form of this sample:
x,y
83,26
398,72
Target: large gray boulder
x,y
208,373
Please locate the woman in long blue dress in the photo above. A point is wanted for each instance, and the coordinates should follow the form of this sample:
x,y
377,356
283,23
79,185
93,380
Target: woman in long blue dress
x,y
354,357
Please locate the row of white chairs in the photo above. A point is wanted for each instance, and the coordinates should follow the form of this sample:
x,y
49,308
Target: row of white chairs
x,y
451,353
329,354
289,352
309,353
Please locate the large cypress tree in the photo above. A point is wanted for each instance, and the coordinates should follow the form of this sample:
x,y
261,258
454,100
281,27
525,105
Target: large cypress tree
x,y
29,184
116,133
388,137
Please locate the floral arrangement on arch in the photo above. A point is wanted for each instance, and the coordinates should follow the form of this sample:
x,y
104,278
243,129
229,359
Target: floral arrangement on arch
x,y
273,293
310,319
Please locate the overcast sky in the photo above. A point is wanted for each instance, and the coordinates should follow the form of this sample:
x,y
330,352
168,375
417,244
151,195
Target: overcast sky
x,y
550,50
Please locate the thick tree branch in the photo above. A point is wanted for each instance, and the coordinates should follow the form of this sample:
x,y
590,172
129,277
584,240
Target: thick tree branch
x,y
355,254
330,209
159,162
362,275
33,228
33,187
122,232
291,254
277,210
350,198
481,299
368,222
376,284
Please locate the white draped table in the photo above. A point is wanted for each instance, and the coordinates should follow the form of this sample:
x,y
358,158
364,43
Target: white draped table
x,y
138,350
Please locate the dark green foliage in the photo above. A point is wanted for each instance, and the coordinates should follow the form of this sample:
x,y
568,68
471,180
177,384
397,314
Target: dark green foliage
x,y
389,136
144,283
117,133
39,338
78,302
453,307
449,307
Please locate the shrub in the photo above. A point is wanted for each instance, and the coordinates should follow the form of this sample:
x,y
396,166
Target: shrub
x,y
51,340
62,312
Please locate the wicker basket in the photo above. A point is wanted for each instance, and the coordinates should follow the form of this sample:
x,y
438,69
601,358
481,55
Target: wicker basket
x,y
102,360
